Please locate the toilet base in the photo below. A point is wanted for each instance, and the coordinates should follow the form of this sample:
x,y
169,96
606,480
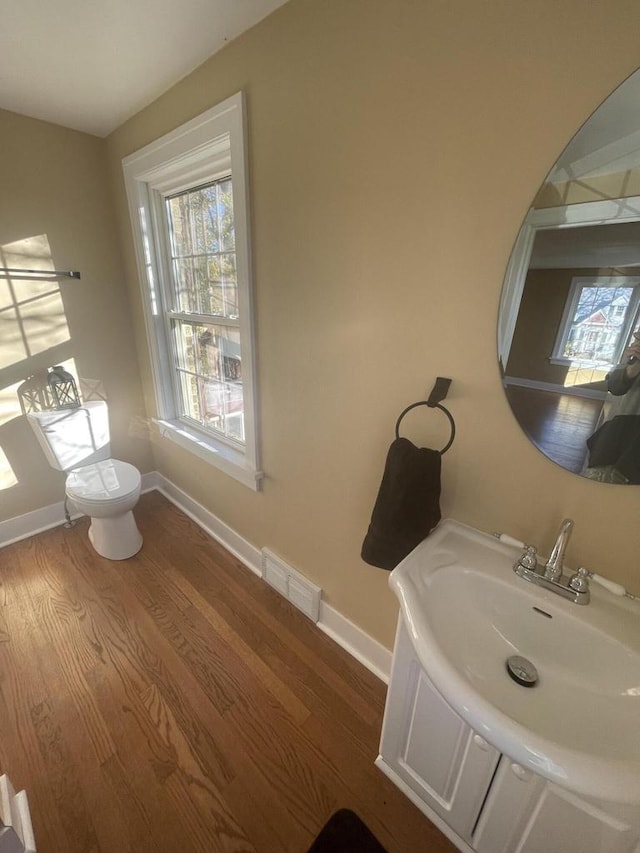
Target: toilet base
x,y
116,538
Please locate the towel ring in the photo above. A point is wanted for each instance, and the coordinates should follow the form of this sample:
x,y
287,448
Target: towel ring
x,y
431,406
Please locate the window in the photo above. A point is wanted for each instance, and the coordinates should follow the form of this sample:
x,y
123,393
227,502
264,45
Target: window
x,y
188,204
599,316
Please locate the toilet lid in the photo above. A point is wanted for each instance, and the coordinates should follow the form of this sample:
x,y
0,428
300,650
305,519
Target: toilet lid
x,y
108,480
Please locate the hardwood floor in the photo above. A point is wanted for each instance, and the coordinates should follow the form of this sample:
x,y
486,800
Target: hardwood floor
x,y
174,702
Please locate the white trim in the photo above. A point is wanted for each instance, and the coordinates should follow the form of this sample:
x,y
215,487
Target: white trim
x,y
566,216
435,818
572,390
31,523
369,652
47,517
209,145
361,646
217,453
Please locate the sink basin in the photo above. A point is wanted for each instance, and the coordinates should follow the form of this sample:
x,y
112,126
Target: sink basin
x,y
467,612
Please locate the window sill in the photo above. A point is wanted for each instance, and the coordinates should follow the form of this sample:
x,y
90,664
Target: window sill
x,y
216,453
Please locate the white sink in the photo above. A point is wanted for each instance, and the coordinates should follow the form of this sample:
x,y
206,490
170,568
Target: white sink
x,y
467,612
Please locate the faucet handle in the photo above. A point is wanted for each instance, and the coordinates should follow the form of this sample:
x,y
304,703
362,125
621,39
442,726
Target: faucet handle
x,y
529,558
580,581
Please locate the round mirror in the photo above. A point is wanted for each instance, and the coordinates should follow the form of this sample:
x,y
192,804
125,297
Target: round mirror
x,y
569,323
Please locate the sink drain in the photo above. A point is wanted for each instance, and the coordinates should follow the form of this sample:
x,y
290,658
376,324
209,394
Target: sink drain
x,y
522,671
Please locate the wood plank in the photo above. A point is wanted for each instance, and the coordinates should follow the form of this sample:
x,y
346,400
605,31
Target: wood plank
x,y
174,702
249,603
202,802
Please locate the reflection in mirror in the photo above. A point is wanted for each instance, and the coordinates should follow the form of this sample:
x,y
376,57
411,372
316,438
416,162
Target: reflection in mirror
x,y
570,306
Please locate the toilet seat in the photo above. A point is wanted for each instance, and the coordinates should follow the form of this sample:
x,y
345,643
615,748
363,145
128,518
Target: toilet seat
x,y
110,480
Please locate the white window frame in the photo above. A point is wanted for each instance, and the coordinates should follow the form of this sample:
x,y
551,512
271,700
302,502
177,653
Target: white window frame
x,y
208,147
577,284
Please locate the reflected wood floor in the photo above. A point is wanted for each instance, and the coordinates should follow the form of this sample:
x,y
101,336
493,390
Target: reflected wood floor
x,y
174,702
558,424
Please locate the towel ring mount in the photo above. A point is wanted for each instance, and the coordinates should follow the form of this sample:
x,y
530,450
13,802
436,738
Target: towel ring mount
x,y
431,406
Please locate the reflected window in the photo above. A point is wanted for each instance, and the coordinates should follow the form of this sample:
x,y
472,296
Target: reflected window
x,y
600,314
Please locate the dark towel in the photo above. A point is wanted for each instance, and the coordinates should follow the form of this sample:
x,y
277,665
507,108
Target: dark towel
x,y
408,504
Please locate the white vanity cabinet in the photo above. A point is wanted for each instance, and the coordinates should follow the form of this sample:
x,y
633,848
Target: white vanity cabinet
x,y
528,814
481,799
434,754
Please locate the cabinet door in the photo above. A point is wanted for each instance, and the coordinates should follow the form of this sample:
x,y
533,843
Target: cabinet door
x,y
524,813
430,747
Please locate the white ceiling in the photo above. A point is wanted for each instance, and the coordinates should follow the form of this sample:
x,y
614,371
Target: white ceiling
x,y
91,64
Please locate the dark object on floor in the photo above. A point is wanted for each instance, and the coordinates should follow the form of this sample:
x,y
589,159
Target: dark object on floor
x,y
344,832
408,504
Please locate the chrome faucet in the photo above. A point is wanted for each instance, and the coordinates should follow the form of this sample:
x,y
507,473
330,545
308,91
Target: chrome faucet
x,y
550,576
555,564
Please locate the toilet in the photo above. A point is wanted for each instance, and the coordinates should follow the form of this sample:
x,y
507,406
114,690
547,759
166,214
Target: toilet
x,y
77,441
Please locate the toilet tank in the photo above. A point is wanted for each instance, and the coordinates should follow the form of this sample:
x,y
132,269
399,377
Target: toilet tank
x,y
73,437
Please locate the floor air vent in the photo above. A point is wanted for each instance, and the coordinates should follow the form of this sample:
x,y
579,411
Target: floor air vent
x,y
291,584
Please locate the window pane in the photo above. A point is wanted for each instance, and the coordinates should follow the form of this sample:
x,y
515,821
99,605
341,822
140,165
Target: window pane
x,y
189,390
184,274
181,240
219,352
185,345
223,407
211,223
210,376
597,324
221,293
225,216
203,250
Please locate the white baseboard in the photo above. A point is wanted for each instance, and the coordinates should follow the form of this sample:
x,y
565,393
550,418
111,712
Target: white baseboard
x,y
361,646
539,385
22,526
370,653
47,517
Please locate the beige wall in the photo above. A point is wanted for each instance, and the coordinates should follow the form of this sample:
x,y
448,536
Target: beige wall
x,y
56,212
394,150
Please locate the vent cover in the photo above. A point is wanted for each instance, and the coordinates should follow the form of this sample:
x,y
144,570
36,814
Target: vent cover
x,y
291,584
